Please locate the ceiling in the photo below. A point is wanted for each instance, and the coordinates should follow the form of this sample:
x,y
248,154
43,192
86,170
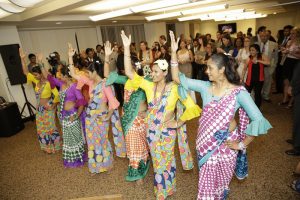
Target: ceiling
x,y
70,13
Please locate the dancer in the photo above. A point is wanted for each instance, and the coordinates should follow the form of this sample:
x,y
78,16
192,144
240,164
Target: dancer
x,y
97,119
219,139
132,120
71,106
48,135
162,96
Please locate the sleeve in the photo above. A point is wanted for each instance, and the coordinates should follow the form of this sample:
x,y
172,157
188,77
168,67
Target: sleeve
x,y
258,124
56,95
140,82
54,81
191,109
191,84
112,101
84,81
114,77
80,101
31,78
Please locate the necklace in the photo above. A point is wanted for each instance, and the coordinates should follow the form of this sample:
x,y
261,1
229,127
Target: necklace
x,y
212,91
162,92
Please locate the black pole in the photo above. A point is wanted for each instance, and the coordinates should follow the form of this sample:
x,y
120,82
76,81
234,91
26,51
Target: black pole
x,y
30,107
77,43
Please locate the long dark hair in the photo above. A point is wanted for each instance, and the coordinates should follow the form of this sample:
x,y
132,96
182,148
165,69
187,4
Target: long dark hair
x,y
65,71
36,69
98,67
141,52
257,48
222,60
135,60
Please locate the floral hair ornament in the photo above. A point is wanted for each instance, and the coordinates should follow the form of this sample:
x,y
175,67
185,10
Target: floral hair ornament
x,y
138,65
162,64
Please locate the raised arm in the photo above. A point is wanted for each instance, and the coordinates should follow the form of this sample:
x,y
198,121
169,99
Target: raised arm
x,y
45,71
174,62
127,61
22,56
71,53
108,52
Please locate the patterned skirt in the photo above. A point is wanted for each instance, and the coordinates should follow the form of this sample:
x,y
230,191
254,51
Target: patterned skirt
x,y
73,148
100,155
161,144
48,135
216,174
137,150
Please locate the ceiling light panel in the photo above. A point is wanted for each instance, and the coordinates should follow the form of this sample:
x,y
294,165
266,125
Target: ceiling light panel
x,y
158,4
25,3
205,9
203,16
11,8
163,16
4,13
112,14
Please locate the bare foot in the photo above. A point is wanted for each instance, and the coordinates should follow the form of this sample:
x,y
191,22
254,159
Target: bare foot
x,y
140,182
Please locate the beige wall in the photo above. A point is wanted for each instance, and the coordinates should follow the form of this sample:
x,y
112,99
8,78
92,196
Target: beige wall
x,y
9,35
153,30
278,21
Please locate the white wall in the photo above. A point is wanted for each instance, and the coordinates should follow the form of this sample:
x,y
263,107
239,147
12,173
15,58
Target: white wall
x,y
182,28
153,30
47,41
9,35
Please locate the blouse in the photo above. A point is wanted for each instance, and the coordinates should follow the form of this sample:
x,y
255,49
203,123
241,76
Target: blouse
x,y
192,110
47,91
258,124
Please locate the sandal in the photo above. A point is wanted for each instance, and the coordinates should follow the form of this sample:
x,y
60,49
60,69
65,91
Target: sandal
x,y
296,185
283,103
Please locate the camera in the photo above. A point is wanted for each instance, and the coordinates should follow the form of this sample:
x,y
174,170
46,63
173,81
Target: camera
x,y
52,59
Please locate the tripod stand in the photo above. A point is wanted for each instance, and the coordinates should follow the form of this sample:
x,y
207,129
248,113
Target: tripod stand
x,y
30,107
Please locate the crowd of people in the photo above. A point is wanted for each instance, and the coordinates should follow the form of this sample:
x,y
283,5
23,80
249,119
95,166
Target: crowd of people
x,y
155,87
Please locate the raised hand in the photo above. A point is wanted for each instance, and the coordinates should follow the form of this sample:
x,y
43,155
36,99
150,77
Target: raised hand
x,y
71,51
39,57
22,54
107,48
174,43
126,40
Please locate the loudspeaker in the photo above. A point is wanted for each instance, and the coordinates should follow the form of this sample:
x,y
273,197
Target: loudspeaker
x,y
10,120
12,61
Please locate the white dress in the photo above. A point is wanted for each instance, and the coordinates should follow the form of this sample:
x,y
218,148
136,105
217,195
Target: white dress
x,y
242,56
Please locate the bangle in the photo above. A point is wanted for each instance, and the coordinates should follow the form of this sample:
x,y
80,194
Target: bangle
x,y
174,64
242,146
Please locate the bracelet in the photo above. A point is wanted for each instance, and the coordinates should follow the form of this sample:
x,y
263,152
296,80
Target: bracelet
x,y
174,64
242,146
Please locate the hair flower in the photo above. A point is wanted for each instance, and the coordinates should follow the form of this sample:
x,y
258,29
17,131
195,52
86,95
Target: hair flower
x,y
162,64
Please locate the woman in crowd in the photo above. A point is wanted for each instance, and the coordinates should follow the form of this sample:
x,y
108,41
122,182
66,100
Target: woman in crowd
x,y
48,135
255,72
226,46
101,107
238,45
241,59
162,95
200,56
146,58
156,50
164,53
71,106
219,139
185,59
291,54
132,120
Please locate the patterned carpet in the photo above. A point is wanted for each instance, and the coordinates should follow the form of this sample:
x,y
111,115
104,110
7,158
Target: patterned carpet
x,y
28,173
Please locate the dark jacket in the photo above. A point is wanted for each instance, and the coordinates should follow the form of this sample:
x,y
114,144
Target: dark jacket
x,y
295,82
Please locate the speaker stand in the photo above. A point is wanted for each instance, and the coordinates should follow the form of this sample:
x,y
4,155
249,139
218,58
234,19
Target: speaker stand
x,y
29,106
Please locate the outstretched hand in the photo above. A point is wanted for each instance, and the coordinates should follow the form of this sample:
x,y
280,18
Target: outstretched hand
x,y
174,43
22,54
39,57
71,51
126,40
107,48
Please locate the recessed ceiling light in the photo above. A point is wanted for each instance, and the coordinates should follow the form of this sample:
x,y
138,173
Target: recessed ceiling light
x,y
274,13
58,23
114,21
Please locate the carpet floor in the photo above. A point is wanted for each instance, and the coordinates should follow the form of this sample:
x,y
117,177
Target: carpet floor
x,y
28,173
